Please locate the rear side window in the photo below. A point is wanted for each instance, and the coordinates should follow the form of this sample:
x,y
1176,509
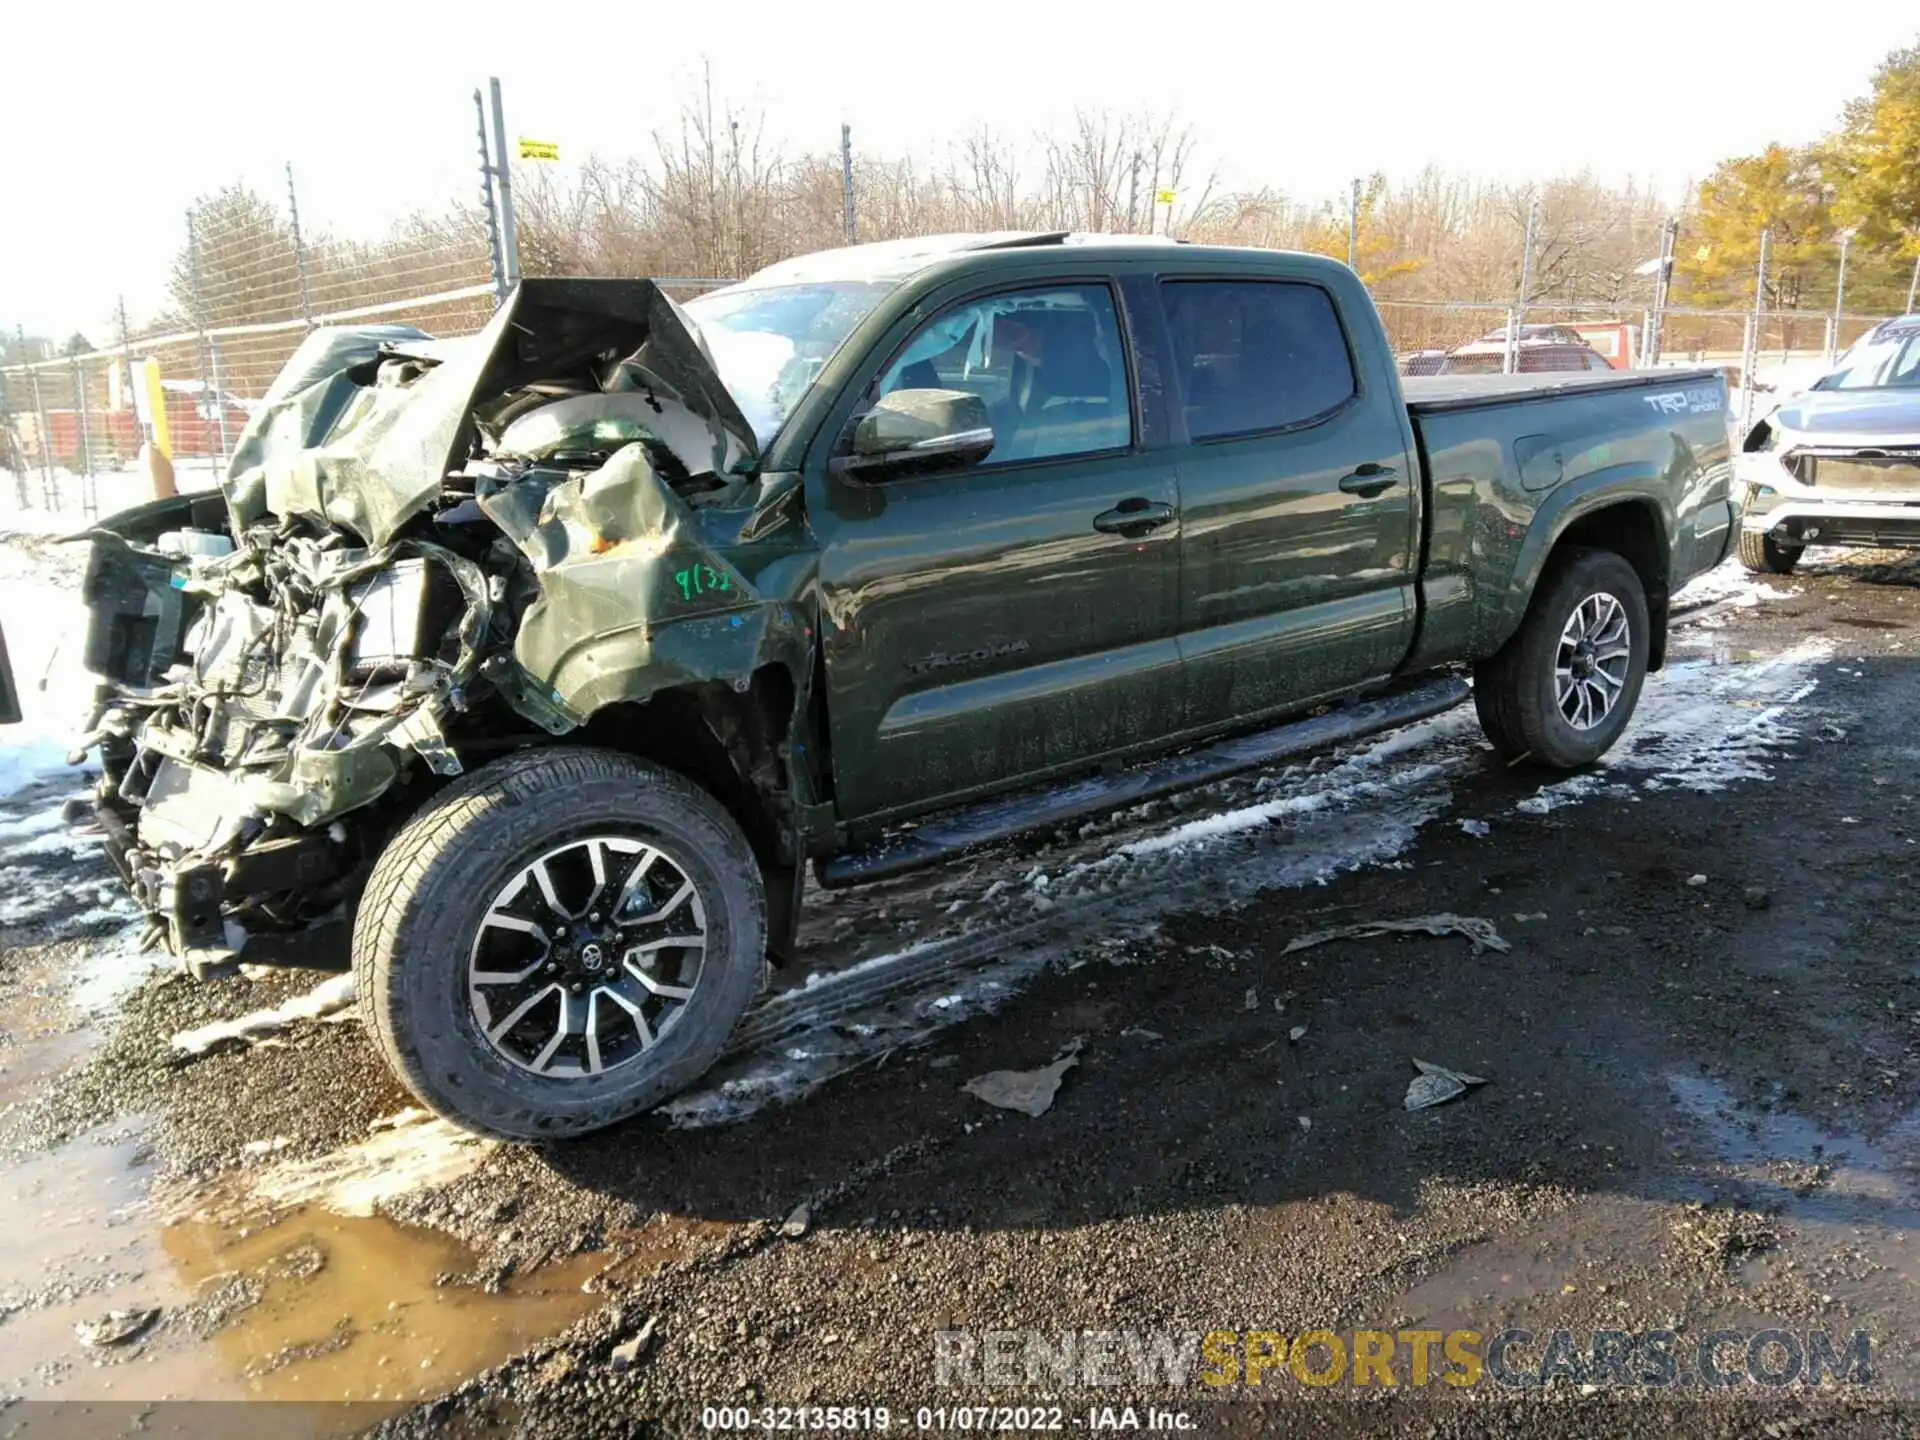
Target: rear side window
x,y
1256,354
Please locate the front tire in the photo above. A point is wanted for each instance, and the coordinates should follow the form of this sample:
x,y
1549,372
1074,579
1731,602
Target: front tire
x,y
1563,688
558,941
1765,556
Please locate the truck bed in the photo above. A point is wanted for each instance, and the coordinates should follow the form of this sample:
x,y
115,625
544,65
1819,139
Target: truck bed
x,y
1545,446
1432,394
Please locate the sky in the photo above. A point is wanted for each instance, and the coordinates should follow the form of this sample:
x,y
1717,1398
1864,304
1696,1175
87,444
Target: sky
x,y
119,115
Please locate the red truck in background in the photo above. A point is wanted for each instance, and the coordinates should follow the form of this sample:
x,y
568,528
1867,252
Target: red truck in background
x,y
1589,345
114,436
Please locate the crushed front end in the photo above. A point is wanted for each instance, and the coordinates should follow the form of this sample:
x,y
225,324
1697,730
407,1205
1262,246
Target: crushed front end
x,y
422,558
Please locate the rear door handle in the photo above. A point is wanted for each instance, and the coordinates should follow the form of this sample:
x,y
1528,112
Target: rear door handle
x,y
1134,517
1370,479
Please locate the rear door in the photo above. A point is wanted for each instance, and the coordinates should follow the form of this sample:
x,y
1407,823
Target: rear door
x,y
1299,514
1013,618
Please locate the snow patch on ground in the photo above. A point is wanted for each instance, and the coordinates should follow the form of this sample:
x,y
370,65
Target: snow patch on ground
x,y
410,1151
1728,583
45,627
1701,727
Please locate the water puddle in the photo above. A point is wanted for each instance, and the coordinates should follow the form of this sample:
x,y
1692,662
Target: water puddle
x,y
353,1308
1795,1166
300,1303
1526,1275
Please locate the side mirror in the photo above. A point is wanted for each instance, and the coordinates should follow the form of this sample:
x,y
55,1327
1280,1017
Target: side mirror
x,y
920,430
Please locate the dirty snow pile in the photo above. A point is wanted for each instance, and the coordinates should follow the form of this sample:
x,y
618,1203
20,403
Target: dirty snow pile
x,y
45,626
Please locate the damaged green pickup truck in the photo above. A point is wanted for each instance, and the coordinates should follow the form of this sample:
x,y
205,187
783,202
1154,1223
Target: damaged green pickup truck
x,y
532,668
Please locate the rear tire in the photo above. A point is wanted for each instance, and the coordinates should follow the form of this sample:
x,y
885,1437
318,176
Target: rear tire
x,y
505,855
1764,556
1544,697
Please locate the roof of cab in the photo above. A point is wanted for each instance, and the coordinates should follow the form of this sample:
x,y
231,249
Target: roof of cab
x,y
892,260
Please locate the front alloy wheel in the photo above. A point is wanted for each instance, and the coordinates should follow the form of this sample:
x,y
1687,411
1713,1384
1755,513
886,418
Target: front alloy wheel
x,y
587,958
559,940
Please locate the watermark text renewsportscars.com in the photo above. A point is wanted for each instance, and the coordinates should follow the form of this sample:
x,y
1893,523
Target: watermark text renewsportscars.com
x,y
1515,1359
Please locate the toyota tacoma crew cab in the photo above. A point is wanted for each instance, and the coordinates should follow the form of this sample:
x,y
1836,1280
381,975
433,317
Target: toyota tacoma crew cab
x,y
532,669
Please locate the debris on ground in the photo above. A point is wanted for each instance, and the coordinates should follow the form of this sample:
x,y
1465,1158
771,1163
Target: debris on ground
x,y
1696,881
1142,1032
1030,1092
1252,1002
796,1224
1297,1034
266,1147
1530,917
1305,1124
1756,897
1479,829
331,999
1477,930
1713,1239
627,1354
1436,1084
116,1327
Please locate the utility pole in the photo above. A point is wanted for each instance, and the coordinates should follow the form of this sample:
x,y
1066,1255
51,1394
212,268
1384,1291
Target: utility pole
x,y
846,181
1839,296
496,262
1661,268
1353,226
1526,287
503,178
1752,355
299,249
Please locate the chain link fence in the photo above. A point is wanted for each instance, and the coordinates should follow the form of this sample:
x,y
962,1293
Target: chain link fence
x,y
252,271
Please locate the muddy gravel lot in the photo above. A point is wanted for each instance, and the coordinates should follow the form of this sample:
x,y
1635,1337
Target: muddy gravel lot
x,y
1694,1005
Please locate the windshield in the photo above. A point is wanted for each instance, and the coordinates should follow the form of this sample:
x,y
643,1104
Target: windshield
x,y
1878,362
769,342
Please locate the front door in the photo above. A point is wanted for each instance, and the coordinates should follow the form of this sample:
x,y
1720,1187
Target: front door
x,y
1012,618
1300,537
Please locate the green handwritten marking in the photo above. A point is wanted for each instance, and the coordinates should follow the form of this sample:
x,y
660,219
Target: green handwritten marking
x,y
700,580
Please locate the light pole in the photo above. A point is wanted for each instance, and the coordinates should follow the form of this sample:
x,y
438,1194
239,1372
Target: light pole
x,y
1839,297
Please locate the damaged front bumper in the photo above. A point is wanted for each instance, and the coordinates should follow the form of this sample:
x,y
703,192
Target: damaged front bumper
x,y
252,695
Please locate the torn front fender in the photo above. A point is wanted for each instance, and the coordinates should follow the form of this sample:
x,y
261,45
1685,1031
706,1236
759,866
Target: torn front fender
x,y
635,592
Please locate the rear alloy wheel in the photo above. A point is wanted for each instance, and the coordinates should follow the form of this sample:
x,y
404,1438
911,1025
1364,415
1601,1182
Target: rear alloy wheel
x,y
1764,555
559,940
1561,690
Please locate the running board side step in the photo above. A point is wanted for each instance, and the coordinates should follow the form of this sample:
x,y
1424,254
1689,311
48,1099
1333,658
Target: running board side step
x,y
944,836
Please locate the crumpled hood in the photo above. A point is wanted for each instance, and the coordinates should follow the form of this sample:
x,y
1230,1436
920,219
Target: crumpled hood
x,y
1847,418
345,440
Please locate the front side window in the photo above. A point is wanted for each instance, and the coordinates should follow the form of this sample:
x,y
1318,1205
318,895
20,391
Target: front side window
x,y
1256,354
1048,363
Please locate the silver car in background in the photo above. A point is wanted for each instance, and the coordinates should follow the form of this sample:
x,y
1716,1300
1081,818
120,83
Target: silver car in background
x,y
1839,464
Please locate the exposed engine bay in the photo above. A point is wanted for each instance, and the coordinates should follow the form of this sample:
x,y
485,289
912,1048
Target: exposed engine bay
x,y
425,554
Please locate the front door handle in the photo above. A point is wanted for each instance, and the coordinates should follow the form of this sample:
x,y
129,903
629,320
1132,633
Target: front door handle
x,y
1369,480
1134,517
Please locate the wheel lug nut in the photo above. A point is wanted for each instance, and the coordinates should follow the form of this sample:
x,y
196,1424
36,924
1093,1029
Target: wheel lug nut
x,y
578,987
594,919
